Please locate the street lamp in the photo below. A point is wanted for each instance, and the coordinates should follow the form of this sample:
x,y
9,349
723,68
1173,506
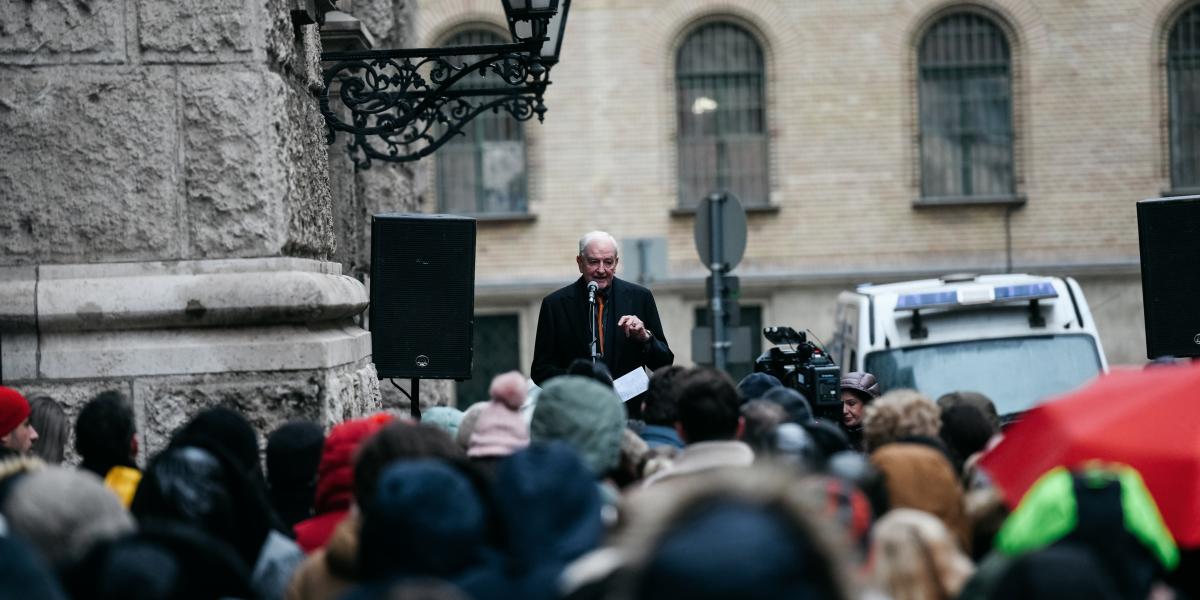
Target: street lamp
x,y
401,105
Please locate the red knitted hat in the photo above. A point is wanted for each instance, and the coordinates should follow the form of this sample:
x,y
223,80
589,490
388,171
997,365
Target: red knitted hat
x,y
14,409
335,473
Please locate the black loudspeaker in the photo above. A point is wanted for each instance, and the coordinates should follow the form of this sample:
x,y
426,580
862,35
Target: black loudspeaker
x,y
1169,235
422,295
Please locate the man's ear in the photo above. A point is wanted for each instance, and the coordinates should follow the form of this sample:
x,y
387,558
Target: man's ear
x,y
133,447
579,263
679,431
741,428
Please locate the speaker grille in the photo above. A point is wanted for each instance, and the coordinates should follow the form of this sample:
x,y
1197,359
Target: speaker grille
x,y
1169,236
422,295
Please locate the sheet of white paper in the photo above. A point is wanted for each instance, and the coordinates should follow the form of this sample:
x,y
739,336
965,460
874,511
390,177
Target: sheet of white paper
x,y
632,384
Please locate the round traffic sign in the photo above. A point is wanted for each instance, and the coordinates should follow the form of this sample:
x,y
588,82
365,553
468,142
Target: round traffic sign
x,y
722,246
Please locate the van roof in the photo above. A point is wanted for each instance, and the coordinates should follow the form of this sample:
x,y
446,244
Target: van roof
x,y
950,282
967,307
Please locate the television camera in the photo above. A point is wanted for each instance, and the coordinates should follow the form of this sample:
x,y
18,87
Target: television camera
x,y
804,367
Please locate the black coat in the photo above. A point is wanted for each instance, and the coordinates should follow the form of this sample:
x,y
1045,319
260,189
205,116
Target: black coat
x,y
564,334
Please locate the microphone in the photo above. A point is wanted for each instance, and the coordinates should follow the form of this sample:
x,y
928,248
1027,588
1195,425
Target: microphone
x,y
592,287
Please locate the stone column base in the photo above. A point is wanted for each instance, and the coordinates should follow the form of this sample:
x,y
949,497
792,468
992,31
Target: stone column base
x,y
273,338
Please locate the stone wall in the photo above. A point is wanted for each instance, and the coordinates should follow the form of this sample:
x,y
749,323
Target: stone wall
x,y
146,129
169,226
163,404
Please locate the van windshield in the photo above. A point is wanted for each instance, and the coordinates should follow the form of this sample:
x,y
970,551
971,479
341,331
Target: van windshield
x,y
1016,373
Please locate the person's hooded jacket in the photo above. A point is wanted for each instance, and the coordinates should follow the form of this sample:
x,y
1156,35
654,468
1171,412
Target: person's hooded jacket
x,y
1105,509
921,477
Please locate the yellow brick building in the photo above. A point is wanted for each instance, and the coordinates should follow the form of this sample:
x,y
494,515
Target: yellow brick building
x,y
849,184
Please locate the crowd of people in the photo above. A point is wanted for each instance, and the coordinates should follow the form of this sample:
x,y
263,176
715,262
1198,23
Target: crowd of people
x,y
718,489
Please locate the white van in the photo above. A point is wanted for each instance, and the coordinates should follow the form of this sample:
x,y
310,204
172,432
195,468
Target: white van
x,y
1016,338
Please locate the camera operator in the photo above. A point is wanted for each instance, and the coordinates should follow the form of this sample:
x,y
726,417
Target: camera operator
x,y
858,389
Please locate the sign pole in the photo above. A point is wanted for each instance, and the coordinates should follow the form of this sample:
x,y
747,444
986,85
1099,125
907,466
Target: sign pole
x,y
720,344
720,233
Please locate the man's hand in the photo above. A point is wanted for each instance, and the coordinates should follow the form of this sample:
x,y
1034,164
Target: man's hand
x,y
634,328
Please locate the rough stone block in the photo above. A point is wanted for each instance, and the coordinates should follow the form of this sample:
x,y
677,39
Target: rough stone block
x,y
302,137
236,179
90,165
199,30
434,392
351,393
281,43
62,31
267,400
351,218
257,181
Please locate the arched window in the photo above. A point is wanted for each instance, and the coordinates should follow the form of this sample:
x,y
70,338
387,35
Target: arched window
x,y
965,94
1183,81
721,108
483,171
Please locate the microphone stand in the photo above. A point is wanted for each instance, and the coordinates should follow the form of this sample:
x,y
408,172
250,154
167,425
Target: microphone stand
x,y
595,345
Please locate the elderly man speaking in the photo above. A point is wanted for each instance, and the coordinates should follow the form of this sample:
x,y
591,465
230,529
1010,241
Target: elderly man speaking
x,y
628,333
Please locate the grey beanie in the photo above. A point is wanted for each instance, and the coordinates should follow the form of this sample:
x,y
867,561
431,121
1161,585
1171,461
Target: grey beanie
x,y
64,512
585,414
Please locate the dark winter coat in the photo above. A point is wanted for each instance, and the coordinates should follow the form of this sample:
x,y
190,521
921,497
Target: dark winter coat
x,y
564,333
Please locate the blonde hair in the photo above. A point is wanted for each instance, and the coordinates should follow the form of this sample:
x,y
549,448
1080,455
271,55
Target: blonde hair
x,y
916,558
898,414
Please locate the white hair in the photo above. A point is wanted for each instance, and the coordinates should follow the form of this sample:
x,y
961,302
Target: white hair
x,y
595,236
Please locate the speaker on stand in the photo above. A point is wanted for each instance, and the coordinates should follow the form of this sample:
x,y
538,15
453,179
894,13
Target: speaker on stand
x,y
422,297
1169,238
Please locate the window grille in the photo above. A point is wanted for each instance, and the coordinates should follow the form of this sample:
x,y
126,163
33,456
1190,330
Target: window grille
x,y
484,170
722,142
965,94
1183,81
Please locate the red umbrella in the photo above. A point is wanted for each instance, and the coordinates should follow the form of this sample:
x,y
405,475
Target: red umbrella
x,y
1147,419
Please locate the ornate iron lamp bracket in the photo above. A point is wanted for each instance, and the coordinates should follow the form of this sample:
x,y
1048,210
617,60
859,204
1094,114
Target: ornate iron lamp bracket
x,y
401,105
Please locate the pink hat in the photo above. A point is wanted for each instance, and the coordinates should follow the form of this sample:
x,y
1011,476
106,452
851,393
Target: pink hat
x,y
14,409
500,429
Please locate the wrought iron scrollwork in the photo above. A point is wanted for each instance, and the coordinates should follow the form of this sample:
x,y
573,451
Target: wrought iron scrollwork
x,y
402,105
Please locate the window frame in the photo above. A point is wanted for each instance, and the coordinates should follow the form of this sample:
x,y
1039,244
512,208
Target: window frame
x,y
1014,196
687,206
1177,184
474,131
